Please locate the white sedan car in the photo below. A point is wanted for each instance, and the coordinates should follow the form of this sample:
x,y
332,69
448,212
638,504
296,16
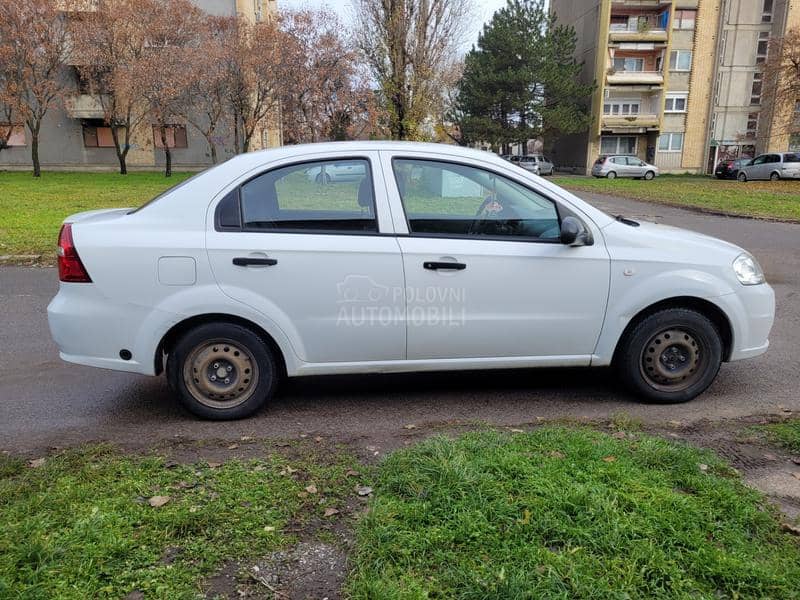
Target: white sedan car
x,y
436,258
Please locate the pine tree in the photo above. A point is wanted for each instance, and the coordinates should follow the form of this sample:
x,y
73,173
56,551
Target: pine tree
x,y
521,81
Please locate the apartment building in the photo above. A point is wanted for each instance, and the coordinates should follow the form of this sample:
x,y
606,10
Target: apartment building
x,y
677,81
75,137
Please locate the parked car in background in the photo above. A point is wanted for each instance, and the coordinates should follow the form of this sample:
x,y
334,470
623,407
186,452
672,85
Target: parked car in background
x,y
535,163
729,169
620,165
436,258
507,157
773,166
343,171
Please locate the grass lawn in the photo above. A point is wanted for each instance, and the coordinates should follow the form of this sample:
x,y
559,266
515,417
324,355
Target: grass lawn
x,y
766,199
785,434
561,513
81,525
33,209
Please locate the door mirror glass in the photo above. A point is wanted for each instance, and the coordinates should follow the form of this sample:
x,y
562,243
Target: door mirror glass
x,y
573,233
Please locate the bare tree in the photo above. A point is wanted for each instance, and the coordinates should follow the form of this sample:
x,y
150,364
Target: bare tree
x,y
164,75
328,91
408,44
211,86
782,82
110,42
6,99
257,70
35,43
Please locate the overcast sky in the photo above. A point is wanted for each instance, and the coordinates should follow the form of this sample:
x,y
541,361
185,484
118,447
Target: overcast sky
x,y
344,8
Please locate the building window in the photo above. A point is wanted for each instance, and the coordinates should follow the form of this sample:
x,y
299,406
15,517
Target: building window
x,y
670,142
748,151
629,64
752,125
763,47
618,144
97,135
755,91
676,103
794,142
680,60
621,107
684,19
176,136
15,138
766,12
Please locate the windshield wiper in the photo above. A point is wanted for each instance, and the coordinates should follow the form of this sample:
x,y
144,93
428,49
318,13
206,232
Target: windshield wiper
x,y
627,221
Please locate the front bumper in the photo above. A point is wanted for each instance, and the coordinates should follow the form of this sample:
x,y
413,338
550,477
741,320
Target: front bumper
x,y
751,311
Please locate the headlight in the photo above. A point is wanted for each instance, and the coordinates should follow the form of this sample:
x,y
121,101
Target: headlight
x,y
747,270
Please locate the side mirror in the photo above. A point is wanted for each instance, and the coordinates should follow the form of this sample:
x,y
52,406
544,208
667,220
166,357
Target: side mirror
x,y
573,233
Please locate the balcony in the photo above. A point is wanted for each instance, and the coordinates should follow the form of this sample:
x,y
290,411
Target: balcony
x,y
630,122
635,77
637,26
84,106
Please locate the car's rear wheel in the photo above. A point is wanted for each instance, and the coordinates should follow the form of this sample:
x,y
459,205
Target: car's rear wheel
x,y
649,175
741,177
670,356
774,177
222,371
611,175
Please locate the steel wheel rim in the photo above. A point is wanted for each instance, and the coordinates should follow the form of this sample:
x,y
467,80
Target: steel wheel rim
x,y
672,360
221,374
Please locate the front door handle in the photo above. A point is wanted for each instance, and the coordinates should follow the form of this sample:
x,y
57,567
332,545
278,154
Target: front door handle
x,y
250,261
435,266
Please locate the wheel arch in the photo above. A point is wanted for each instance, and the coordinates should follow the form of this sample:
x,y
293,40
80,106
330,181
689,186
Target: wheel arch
x,y
705,307
176,331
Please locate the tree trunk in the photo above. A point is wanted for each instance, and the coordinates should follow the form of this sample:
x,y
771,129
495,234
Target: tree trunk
x,y
121,155
213,147
167,152
236,132
37,168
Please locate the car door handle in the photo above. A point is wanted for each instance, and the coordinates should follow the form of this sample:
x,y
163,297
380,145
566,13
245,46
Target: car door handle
x,y
435,266
248,261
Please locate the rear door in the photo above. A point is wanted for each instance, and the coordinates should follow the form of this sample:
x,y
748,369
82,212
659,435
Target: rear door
x,y
311,253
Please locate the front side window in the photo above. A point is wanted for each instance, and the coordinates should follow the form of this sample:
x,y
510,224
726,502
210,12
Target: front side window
x,y
680,60
330,196
448,199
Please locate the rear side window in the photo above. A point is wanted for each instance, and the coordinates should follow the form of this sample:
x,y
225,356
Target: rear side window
x,y
600,160
791,158
330,196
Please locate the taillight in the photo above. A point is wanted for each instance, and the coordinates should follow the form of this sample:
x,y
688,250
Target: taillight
x,y
70,267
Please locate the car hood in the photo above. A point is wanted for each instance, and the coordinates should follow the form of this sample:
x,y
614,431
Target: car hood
x,y
652,241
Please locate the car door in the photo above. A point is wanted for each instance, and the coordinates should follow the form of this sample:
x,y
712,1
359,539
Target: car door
x,y
621,166
486,274
312,255
757,168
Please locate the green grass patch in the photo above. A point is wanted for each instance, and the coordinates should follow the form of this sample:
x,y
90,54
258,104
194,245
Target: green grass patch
x,y
785,434
560,513
80,526
33,209
766,199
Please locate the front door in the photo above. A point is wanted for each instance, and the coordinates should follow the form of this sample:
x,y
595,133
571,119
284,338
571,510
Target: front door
x,y
307,252
486,275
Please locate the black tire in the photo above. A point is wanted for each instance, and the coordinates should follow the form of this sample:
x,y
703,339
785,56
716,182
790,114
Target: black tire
x,y
741,177
203,353
775,176
611,175
683,369
649,175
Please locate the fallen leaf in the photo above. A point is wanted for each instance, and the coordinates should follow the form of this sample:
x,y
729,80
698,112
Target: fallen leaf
x,y
796,460
318,439
269,528
609,459
36,463
675,423
351,473
517,430
233,446
372,448
329,512
557,454
702,467
770,456
796,475
620,435
303,435
526,517
214,465
290,470
409,426
364,490
158,501
302,494
311,489
790,528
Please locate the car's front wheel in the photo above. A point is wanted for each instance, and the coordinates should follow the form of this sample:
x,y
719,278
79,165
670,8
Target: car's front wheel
x,y
222,371
670,356
741,177
649,175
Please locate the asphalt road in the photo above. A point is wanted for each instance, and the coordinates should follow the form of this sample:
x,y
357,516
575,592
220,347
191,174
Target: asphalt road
x,y
45,403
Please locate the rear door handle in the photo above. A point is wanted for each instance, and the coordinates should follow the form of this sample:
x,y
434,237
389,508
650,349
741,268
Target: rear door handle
x,y
248,261
435,266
